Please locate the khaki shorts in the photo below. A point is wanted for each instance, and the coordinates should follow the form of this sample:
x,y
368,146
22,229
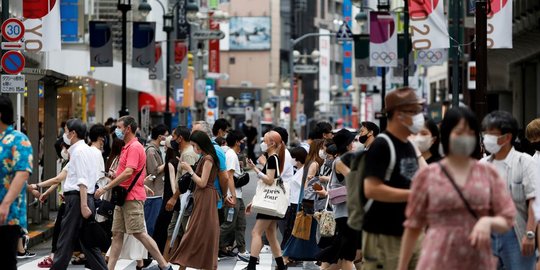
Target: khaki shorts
x,y
382,252
129,218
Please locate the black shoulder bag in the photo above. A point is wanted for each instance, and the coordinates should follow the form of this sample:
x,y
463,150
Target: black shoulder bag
x,y
458,191
119,194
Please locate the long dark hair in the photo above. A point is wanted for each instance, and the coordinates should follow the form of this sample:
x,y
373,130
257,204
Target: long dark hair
x,y
451,119
116,149
204,143
434,130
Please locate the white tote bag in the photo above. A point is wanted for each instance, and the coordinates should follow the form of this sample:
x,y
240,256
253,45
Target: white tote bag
x,y
272,200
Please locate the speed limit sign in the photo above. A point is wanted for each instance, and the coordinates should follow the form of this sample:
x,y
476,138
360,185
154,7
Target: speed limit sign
x,y
12,29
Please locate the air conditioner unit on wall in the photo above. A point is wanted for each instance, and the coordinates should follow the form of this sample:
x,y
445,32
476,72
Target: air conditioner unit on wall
x,y
246,84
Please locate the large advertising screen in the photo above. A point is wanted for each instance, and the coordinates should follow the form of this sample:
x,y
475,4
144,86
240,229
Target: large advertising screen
x,y
249,33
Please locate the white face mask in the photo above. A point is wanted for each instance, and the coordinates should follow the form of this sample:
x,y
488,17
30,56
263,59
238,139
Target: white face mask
x,y
490,142
417,123
423,142
64,154
322,154
264,147
462,145
67,140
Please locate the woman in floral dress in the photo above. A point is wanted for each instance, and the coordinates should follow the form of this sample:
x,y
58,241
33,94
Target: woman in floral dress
x,y
458,236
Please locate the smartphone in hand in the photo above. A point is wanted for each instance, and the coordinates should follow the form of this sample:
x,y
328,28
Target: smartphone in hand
x,y
317,186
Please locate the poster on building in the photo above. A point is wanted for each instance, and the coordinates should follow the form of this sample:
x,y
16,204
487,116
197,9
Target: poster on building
x,y
249,33
382,39
42,24
143,44
324,67
101,49
500,24
429,27
433,57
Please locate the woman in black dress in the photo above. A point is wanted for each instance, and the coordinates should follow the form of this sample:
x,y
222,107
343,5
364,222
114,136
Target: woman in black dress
x,y
275,148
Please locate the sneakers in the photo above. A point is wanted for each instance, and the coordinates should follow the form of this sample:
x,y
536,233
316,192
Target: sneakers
x,y
26,254
266,249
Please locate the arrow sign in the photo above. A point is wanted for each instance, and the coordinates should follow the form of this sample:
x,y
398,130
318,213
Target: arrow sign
x,y
306,69
208,34
344,33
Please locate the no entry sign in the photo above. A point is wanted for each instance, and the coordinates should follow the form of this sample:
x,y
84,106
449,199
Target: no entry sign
x,y
13,62
12,29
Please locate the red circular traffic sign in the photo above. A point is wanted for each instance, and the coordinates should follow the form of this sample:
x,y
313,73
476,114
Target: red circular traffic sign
x,y
12,29
13,62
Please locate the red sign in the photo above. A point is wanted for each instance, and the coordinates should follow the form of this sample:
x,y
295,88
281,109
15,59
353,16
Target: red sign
x,y
180,51
36,9
213,57
12,29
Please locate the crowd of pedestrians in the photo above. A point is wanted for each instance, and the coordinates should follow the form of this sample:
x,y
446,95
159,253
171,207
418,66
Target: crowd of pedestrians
x,y
452,195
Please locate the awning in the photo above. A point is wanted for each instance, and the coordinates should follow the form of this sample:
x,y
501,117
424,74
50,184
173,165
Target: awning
x,y
500,60
156,103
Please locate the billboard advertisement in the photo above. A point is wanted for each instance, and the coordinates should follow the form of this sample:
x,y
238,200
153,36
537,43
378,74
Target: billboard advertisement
x,y
249,33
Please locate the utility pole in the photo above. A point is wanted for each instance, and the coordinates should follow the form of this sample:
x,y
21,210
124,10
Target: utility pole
x,y
406,43
455,32
481,59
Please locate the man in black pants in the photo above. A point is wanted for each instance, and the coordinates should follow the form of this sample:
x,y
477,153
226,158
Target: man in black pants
x,y
79,186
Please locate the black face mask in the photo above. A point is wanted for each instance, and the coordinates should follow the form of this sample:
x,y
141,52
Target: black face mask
x,y
242,147
175,145
363,139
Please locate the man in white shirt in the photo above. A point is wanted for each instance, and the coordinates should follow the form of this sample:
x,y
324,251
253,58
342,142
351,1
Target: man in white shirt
x,y
83,173
234,226
515,248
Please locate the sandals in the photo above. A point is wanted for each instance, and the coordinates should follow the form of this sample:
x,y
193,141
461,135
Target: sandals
x,y
46,263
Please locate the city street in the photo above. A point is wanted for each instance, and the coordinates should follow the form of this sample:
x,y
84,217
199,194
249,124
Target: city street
x,y
266,260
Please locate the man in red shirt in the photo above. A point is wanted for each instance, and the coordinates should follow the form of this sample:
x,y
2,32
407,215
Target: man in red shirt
x,y
129,218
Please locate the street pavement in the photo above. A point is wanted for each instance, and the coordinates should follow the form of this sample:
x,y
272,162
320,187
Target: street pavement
x,y
266,261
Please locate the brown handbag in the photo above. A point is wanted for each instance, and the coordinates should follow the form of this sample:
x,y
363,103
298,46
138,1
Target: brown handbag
x,y
302,225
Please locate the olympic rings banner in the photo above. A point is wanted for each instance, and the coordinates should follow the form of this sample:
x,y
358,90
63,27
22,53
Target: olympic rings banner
x,y
500,25
434,57
382,39
429,28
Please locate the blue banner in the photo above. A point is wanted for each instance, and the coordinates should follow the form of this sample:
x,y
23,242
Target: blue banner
x,y
144,47
101,49
347,61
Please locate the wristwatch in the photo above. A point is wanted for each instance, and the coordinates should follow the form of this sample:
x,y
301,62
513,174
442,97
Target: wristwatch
x,y
530,235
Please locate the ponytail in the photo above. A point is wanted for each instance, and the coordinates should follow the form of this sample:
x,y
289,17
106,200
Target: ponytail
x,y
281,155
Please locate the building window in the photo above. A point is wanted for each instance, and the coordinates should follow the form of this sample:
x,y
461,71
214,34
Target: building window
x,y
339,9
433,92
322,8
232,60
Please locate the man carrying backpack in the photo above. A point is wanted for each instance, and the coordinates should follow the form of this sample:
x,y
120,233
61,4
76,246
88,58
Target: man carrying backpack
x,y
390,164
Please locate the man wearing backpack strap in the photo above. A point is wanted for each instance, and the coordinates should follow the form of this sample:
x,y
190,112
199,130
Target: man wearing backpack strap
x,y
387,186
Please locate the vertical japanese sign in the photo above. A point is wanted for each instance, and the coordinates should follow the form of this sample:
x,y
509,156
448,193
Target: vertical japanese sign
x,y
429,27
143,44
500,25
382,39
101,50
324,67
156,71
347,46
180,69
42,23
213,58
182,25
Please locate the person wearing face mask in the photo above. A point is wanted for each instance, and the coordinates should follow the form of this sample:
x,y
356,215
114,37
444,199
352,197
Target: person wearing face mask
x,y
383,221
368,132
154,168
427,141
446,200
515,248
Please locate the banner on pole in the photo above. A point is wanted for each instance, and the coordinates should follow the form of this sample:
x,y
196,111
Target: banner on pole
x,y
429,27
434,57
499,26
42,23
101,49
382,39
156,72
144,46
213,46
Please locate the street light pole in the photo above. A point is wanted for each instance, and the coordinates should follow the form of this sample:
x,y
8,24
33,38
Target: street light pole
x,y
293,43
124,8
168,28
406,43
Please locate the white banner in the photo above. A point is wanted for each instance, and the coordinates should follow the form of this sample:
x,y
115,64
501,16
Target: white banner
x,y
429,28
435,57
42,24
500,25
324,68
382,39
